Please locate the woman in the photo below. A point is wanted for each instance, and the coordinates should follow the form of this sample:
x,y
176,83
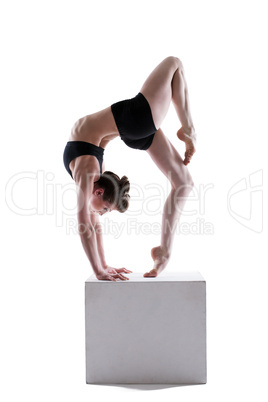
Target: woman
x,y
137,121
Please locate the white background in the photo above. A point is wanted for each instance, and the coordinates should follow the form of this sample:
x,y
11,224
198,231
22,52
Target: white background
x,y
61,60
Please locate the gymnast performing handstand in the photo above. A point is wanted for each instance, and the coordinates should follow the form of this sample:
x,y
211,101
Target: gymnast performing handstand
x,y
137,121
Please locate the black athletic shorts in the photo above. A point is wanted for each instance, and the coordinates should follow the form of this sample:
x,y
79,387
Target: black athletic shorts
x,y
134,121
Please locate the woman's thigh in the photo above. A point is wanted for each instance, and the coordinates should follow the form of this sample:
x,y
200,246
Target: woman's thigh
x,y
157,88
169,161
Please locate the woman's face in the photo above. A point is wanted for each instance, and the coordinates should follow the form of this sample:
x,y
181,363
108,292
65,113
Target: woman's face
x,y
96,203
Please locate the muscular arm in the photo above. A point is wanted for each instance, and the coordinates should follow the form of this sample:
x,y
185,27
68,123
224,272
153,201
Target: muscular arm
x,y
98,231
86,228
91,241
94,218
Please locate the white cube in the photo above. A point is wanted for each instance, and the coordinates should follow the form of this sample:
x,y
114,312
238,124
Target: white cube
x,y
146,330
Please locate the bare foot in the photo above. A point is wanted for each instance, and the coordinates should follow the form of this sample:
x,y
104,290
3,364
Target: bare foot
x,y
190,141
160,261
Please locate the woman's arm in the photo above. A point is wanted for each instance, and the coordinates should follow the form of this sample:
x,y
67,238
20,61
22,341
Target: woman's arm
x,y
98,230
89,243
85,226
94,218
88,234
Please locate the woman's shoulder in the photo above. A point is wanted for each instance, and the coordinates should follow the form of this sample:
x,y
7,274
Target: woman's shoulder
x,y
85,169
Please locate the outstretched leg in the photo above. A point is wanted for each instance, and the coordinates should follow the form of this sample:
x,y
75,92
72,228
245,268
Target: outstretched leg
x,y
171,164
167,82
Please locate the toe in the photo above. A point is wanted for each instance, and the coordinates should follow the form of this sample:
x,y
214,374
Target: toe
x,y
150,274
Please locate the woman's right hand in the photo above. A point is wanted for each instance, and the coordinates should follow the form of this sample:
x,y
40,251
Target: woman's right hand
x,y
104,276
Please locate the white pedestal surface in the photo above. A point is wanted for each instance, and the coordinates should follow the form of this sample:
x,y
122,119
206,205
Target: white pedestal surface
x,y
146,330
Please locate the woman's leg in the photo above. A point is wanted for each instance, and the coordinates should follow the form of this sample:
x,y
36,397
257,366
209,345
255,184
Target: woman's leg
x,y
167,82
171,164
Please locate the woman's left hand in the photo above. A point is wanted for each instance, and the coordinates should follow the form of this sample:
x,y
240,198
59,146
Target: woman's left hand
x,y
112,270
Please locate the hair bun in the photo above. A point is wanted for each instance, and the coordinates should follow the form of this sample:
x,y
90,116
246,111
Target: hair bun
x,y
124,185
115,189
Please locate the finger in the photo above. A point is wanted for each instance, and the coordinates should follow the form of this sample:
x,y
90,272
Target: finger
x,y
119,270
107,278
112,271
126,271
111,278
122,277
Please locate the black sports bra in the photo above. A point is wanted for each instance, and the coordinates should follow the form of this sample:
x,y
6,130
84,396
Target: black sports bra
x,y
74,149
